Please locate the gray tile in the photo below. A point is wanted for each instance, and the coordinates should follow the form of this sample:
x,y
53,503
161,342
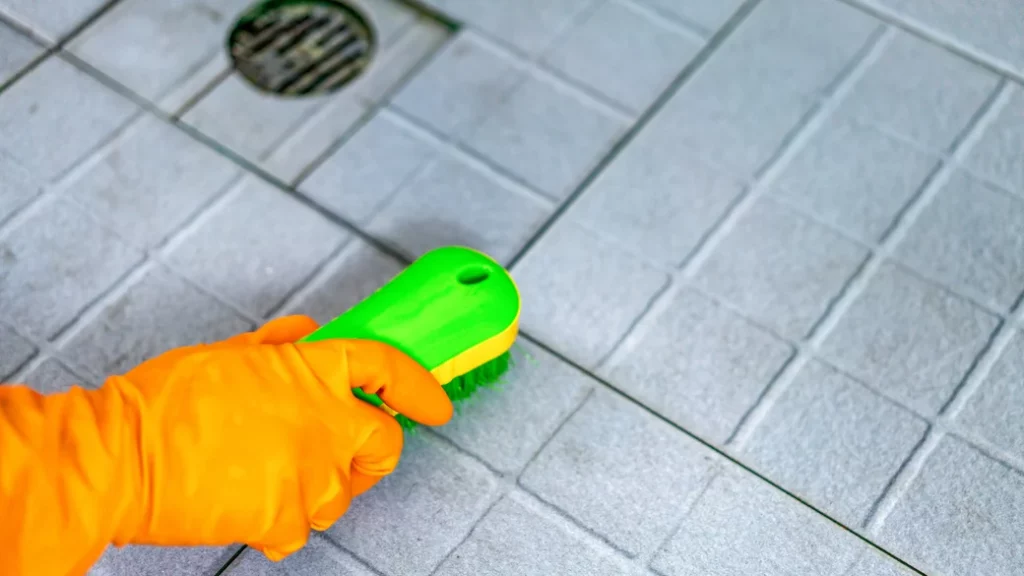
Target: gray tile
x,y
18,187
997,155
656,200
51,376
14,351
51,20
996,411
780,268
168,41
854,178
874,563
150,181
834,443
505,426
574,298
989,28
362,175
390,19
464,82
359,271
159,313
513,540
162,561
16,51
742,525
55,115
547,135
413,518
920,91
708,14
971,238
620,472
909,338
740,107
318,558
450,203
528,25
699,365
55,264
963,515
257,248
632,73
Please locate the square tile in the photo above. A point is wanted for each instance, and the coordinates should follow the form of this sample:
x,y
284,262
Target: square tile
x,y
54,265
996,411
400,61
513,540
356,274
53,377
362,175
150,181
620,472
158,314
18,187
574,296
831,441
319,557
742,525
699,365
909,338
16,51
258,247
547,135
855,178
52,20
656,200
781,268
14,351
168,41
708,14
162,561
505,426
920,91
996,155
451,202
409,522
963,514
632,73
55,115
528,25
463,83
971,238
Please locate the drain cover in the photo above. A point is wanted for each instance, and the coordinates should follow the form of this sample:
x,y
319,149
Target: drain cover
x,y
301,47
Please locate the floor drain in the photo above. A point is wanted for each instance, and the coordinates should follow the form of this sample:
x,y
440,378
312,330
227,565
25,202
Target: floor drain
x,y
301,47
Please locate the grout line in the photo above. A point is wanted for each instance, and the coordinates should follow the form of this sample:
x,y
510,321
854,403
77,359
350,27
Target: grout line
x,y
645,558
901,481
691,31
642,121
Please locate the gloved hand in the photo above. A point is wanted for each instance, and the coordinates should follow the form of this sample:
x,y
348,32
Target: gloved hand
x,y
252,440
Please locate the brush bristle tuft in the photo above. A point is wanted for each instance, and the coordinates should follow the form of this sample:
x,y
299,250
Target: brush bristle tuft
x,y
463,387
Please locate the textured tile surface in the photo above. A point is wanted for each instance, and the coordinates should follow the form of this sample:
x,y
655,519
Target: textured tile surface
x,y
161,561
14,351
874,563
699,365
971,237
159,313
318,558
505,542
546,134
630,73
909,338
780,268
529,26
16,51
996,155
707,14
411,520
741,525
573,295
52,376
451,202
855,178
258,247
54,264
833,442
620,472
507,425
964,514
52,20
996,411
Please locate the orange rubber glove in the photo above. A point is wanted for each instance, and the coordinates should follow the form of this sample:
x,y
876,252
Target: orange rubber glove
x,y
252,440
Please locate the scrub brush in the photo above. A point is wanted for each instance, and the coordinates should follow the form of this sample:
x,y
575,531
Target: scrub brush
x,y
454,310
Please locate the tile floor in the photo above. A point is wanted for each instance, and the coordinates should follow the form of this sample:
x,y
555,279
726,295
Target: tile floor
x,y
771,254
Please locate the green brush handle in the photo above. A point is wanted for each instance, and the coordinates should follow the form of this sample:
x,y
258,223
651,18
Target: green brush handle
x,y
451,310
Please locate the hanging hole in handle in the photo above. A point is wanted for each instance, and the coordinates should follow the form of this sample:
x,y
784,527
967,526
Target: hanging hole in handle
x,y
472,275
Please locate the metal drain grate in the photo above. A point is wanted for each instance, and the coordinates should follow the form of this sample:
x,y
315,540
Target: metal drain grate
x,y
301,47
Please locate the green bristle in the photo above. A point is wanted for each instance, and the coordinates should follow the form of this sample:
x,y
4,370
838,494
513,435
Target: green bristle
x,y
463,387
